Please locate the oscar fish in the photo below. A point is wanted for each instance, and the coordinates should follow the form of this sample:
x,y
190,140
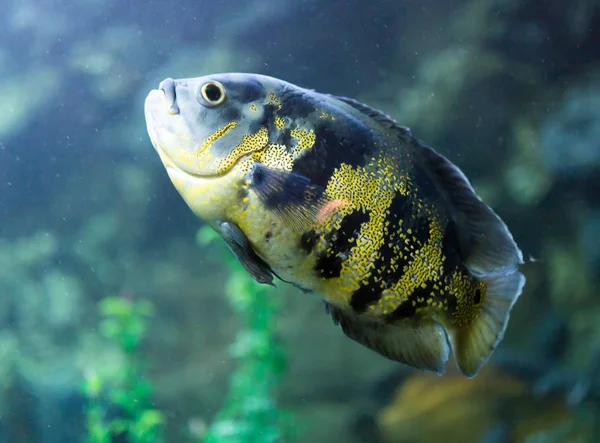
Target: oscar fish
x,y
338,199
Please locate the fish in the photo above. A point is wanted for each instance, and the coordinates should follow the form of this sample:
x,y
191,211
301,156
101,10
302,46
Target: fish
x,y
339,200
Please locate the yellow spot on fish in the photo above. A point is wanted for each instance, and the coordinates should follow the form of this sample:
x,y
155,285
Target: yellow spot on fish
x,y
272,99
279,123
277,157
368,192
208,141
252,107
326,115
305,139
425,266
248,144
465,289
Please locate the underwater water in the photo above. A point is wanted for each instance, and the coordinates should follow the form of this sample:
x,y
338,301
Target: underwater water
x,y
125,318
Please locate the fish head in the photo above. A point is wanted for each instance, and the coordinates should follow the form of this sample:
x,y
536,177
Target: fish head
x,y
206,131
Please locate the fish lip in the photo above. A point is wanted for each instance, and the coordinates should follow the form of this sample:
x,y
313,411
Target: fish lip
x,y
169,96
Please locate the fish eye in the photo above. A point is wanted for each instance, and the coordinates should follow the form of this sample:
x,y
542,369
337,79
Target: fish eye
x,y
212,94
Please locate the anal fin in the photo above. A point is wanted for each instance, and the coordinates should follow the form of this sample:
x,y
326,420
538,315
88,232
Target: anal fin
x,y
422,344
474,344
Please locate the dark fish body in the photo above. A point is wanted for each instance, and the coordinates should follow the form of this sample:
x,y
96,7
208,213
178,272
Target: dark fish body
x,y
338,199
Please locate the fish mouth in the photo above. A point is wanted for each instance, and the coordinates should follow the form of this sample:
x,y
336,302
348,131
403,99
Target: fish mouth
x,y
169,96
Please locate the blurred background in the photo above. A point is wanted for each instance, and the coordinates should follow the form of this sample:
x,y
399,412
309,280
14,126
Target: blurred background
x,y
90,224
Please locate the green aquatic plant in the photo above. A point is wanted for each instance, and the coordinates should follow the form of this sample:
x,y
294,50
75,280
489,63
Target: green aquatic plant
x,y
250,413
128,394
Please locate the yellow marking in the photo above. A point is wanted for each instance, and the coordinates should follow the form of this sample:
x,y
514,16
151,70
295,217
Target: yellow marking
x,y
463,287
208,141
272,99
426,265
371,189
252,107
305,139
368,189
279,123
326,115
250,143
277,157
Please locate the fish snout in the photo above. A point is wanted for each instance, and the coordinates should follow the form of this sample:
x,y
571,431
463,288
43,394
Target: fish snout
x,y
167,86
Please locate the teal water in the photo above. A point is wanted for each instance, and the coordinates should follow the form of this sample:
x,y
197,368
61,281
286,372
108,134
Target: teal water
x,y
121,320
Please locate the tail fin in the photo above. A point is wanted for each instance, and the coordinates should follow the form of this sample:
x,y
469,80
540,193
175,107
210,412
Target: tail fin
x,y
474,344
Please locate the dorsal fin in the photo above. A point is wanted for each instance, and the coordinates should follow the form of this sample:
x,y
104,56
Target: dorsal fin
x,y
487,246
380,117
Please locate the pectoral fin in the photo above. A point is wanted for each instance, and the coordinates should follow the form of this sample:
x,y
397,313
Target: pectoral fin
x,y
422,345
294,199
241,248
